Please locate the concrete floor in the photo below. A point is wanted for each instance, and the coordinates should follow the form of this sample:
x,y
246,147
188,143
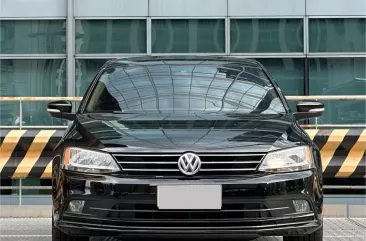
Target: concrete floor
x,y
39,229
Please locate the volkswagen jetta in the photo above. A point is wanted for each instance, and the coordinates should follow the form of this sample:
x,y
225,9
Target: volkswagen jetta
x,y
192,147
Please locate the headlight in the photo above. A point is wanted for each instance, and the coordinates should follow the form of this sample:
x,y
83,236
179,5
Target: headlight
x,y
288,160
82,160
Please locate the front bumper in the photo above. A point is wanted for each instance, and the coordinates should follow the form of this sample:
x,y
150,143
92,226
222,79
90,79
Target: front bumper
x,y
251,207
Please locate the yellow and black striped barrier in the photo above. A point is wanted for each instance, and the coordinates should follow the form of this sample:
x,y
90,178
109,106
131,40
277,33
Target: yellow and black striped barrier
x,y
27,153
343,152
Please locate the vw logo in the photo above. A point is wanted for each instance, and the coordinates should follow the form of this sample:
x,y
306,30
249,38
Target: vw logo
x,y
189,164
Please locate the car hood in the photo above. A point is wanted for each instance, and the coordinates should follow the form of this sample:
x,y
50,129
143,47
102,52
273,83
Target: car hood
x,y
185,132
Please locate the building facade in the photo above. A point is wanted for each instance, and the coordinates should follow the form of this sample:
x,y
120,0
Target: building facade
x,y
54,47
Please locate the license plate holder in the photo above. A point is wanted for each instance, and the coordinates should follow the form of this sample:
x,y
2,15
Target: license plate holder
x,y
189,197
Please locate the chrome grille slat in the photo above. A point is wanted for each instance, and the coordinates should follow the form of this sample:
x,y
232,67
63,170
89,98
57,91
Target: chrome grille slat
x,y
173,154
162,220
270,226
228,154
170,163
151,170
150,164
193,211
149,155
227,170
230,162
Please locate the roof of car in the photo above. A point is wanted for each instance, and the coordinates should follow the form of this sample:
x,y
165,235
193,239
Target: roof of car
x,y
184,59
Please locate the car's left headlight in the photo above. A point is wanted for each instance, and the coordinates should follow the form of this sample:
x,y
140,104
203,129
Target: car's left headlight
x,y
82,160
288,160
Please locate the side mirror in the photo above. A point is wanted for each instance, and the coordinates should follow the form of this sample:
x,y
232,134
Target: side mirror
x,y
61,109
309,109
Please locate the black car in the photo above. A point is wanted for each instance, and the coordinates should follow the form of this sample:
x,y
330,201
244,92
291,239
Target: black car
x,y
188,147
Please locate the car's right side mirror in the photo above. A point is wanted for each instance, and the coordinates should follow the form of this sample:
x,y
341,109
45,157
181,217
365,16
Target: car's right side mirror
x,y
309,109
61,109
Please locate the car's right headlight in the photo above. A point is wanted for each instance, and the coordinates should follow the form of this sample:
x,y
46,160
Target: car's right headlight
x,y
288,160
82,160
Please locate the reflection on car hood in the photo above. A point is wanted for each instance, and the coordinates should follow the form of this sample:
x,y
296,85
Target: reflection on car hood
x,y
185,132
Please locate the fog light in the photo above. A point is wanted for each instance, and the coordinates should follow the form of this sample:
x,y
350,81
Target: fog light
x,y
301,206
76,206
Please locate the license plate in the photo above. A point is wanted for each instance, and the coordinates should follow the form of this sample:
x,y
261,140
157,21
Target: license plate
x,y
183,197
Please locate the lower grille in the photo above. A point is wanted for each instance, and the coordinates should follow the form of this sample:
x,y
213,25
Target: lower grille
x,y
166,164
231,215
228,211
144,211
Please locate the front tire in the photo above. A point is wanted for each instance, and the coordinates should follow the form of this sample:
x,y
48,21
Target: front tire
x,y
316,236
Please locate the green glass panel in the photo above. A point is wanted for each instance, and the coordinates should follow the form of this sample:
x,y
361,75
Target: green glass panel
x,y
44,77
9,113
339,76
266,35
337,35
188,36
86,70
32,37
289,75
7,182
33,114
110,36
33,182
36,182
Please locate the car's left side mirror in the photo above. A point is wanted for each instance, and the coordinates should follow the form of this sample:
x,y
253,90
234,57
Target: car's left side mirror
x,y
61,109
309,109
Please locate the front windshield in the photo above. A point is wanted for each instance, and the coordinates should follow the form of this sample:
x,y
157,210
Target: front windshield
x,y
214,88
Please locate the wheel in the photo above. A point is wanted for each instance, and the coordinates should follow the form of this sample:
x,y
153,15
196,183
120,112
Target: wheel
x,y
316,236
58,235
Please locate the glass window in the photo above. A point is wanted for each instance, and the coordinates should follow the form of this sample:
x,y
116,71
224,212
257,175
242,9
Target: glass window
x,y
266,35
45,77
289,74
339,76
188,36
32,37
337,35
110,36
32,196
85,71
161,88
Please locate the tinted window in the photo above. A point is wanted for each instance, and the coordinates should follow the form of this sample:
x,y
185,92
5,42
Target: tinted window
x,y
110,36
188,35
30,77
339,76
32,37
337,35
266,35
194,87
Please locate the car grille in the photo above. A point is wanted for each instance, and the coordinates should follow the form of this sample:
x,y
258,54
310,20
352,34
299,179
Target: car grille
x,y
229,215
227,212
166,164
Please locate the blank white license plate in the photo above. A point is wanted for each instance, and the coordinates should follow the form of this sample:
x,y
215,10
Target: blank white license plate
x,y
184,197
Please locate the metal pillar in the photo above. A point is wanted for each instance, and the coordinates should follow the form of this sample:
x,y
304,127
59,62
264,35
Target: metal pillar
x,y
70,48
20,115
20,192
148,36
